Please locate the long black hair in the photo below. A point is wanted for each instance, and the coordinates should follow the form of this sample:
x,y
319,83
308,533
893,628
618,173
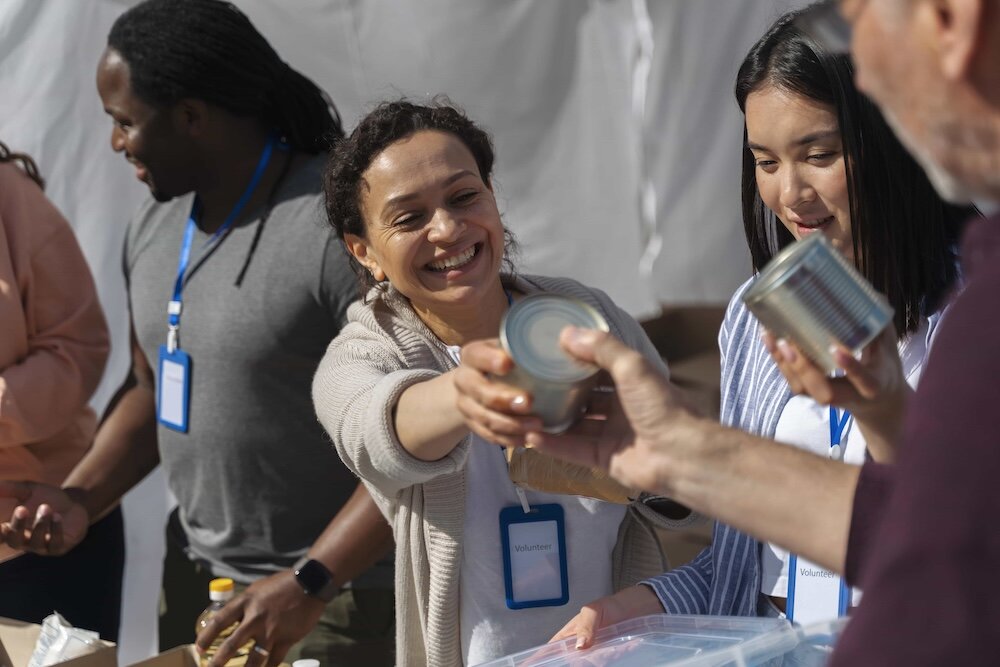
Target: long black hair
x,y
904,234
209,50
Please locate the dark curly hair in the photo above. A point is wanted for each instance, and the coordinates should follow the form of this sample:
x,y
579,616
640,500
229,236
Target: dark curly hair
x,y
388,123
209,50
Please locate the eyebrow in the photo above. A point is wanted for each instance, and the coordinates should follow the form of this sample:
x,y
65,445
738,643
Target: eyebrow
x,y
399,199
801,141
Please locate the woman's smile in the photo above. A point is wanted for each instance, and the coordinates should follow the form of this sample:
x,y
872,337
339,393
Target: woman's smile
x,y
456,262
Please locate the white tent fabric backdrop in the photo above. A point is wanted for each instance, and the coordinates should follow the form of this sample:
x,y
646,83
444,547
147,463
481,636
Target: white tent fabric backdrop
x,y
617,137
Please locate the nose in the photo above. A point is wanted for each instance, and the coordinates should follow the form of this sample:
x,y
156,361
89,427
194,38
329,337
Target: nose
x,y
117,139
444,227
795,188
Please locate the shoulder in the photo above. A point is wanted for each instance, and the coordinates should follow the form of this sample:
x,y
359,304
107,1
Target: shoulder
x,y
738,321
149,219
736,310
383,327
300,198
29,219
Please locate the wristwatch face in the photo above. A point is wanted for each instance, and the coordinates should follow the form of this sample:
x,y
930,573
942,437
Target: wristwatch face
x,y
313,577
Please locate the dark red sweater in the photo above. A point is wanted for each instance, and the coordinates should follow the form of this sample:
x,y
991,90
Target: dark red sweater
x,y
925,534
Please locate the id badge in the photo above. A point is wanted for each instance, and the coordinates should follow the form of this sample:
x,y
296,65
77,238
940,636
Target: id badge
x,y
173,390
534,556
814,594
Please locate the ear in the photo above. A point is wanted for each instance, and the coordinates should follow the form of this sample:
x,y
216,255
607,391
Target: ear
x,y
958,35
358,247
190,116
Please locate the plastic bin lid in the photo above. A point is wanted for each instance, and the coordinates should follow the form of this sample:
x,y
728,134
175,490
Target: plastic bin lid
x,y
662,639
815,643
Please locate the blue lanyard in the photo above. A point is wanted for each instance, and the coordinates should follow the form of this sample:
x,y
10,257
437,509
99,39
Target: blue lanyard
x,y
174,306
838,423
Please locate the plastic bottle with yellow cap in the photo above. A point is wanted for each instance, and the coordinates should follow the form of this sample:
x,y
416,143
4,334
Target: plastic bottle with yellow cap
x,y
220,591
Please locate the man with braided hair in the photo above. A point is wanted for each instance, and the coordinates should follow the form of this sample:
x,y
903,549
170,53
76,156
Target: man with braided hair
x,y
235,289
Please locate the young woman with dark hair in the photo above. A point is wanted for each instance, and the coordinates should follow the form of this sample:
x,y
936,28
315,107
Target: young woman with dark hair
x,y
818,158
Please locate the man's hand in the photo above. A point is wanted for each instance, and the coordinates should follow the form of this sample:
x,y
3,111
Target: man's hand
x,y
273,613
47,520
633,432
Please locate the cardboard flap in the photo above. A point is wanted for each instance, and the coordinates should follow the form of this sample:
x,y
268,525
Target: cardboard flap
x,y
17,643
18,639
182,656
5,660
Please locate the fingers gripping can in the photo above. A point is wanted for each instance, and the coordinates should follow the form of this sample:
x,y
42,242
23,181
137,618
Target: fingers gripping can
x,y
558,383
812,295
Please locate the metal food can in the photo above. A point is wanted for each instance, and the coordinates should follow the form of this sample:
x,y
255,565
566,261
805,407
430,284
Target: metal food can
x,y
812,295
558,383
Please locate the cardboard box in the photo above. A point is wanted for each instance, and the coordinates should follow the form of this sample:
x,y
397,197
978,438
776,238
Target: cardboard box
x,y
181,656
17,643
186,656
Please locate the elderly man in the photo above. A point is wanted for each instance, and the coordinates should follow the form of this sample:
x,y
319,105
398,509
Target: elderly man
x,y
919,537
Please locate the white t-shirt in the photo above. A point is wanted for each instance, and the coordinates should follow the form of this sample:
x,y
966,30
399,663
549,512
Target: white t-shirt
x,y
489,629
806,424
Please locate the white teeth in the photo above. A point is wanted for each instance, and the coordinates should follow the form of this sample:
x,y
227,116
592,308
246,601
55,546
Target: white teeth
x,y
453,262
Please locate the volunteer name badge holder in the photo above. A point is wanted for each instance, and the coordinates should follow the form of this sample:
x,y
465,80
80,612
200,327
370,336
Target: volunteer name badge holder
x,y
534,556
173,391
814,593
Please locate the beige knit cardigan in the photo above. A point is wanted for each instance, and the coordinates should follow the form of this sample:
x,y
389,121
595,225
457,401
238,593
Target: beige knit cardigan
x,y
382,350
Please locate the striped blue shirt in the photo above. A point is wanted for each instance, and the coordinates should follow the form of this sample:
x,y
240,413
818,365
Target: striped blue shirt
x,y
725,578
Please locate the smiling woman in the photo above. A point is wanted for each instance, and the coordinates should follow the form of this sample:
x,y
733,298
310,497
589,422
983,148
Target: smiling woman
x,y
410,194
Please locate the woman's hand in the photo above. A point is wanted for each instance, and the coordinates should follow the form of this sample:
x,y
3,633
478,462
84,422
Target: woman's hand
x,y
623,605
873,387
47,520
494,411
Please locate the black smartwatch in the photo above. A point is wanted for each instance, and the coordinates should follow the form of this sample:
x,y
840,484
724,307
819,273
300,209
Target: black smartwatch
x,y
315,579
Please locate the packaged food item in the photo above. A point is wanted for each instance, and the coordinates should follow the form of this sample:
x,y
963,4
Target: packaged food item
x,y
59,641
811,294
559,384
220,591
530,469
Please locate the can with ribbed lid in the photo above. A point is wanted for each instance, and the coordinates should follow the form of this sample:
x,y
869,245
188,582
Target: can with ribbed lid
x,y
812,295
558,383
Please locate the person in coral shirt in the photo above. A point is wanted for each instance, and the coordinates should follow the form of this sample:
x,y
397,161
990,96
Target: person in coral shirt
x,y
53,347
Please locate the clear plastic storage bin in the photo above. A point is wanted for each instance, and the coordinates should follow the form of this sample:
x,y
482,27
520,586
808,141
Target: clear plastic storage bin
x,y
662,639
814,647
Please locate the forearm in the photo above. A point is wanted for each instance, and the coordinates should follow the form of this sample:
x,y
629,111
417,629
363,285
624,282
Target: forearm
x,y
124,451
355,540
775,492
428,424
